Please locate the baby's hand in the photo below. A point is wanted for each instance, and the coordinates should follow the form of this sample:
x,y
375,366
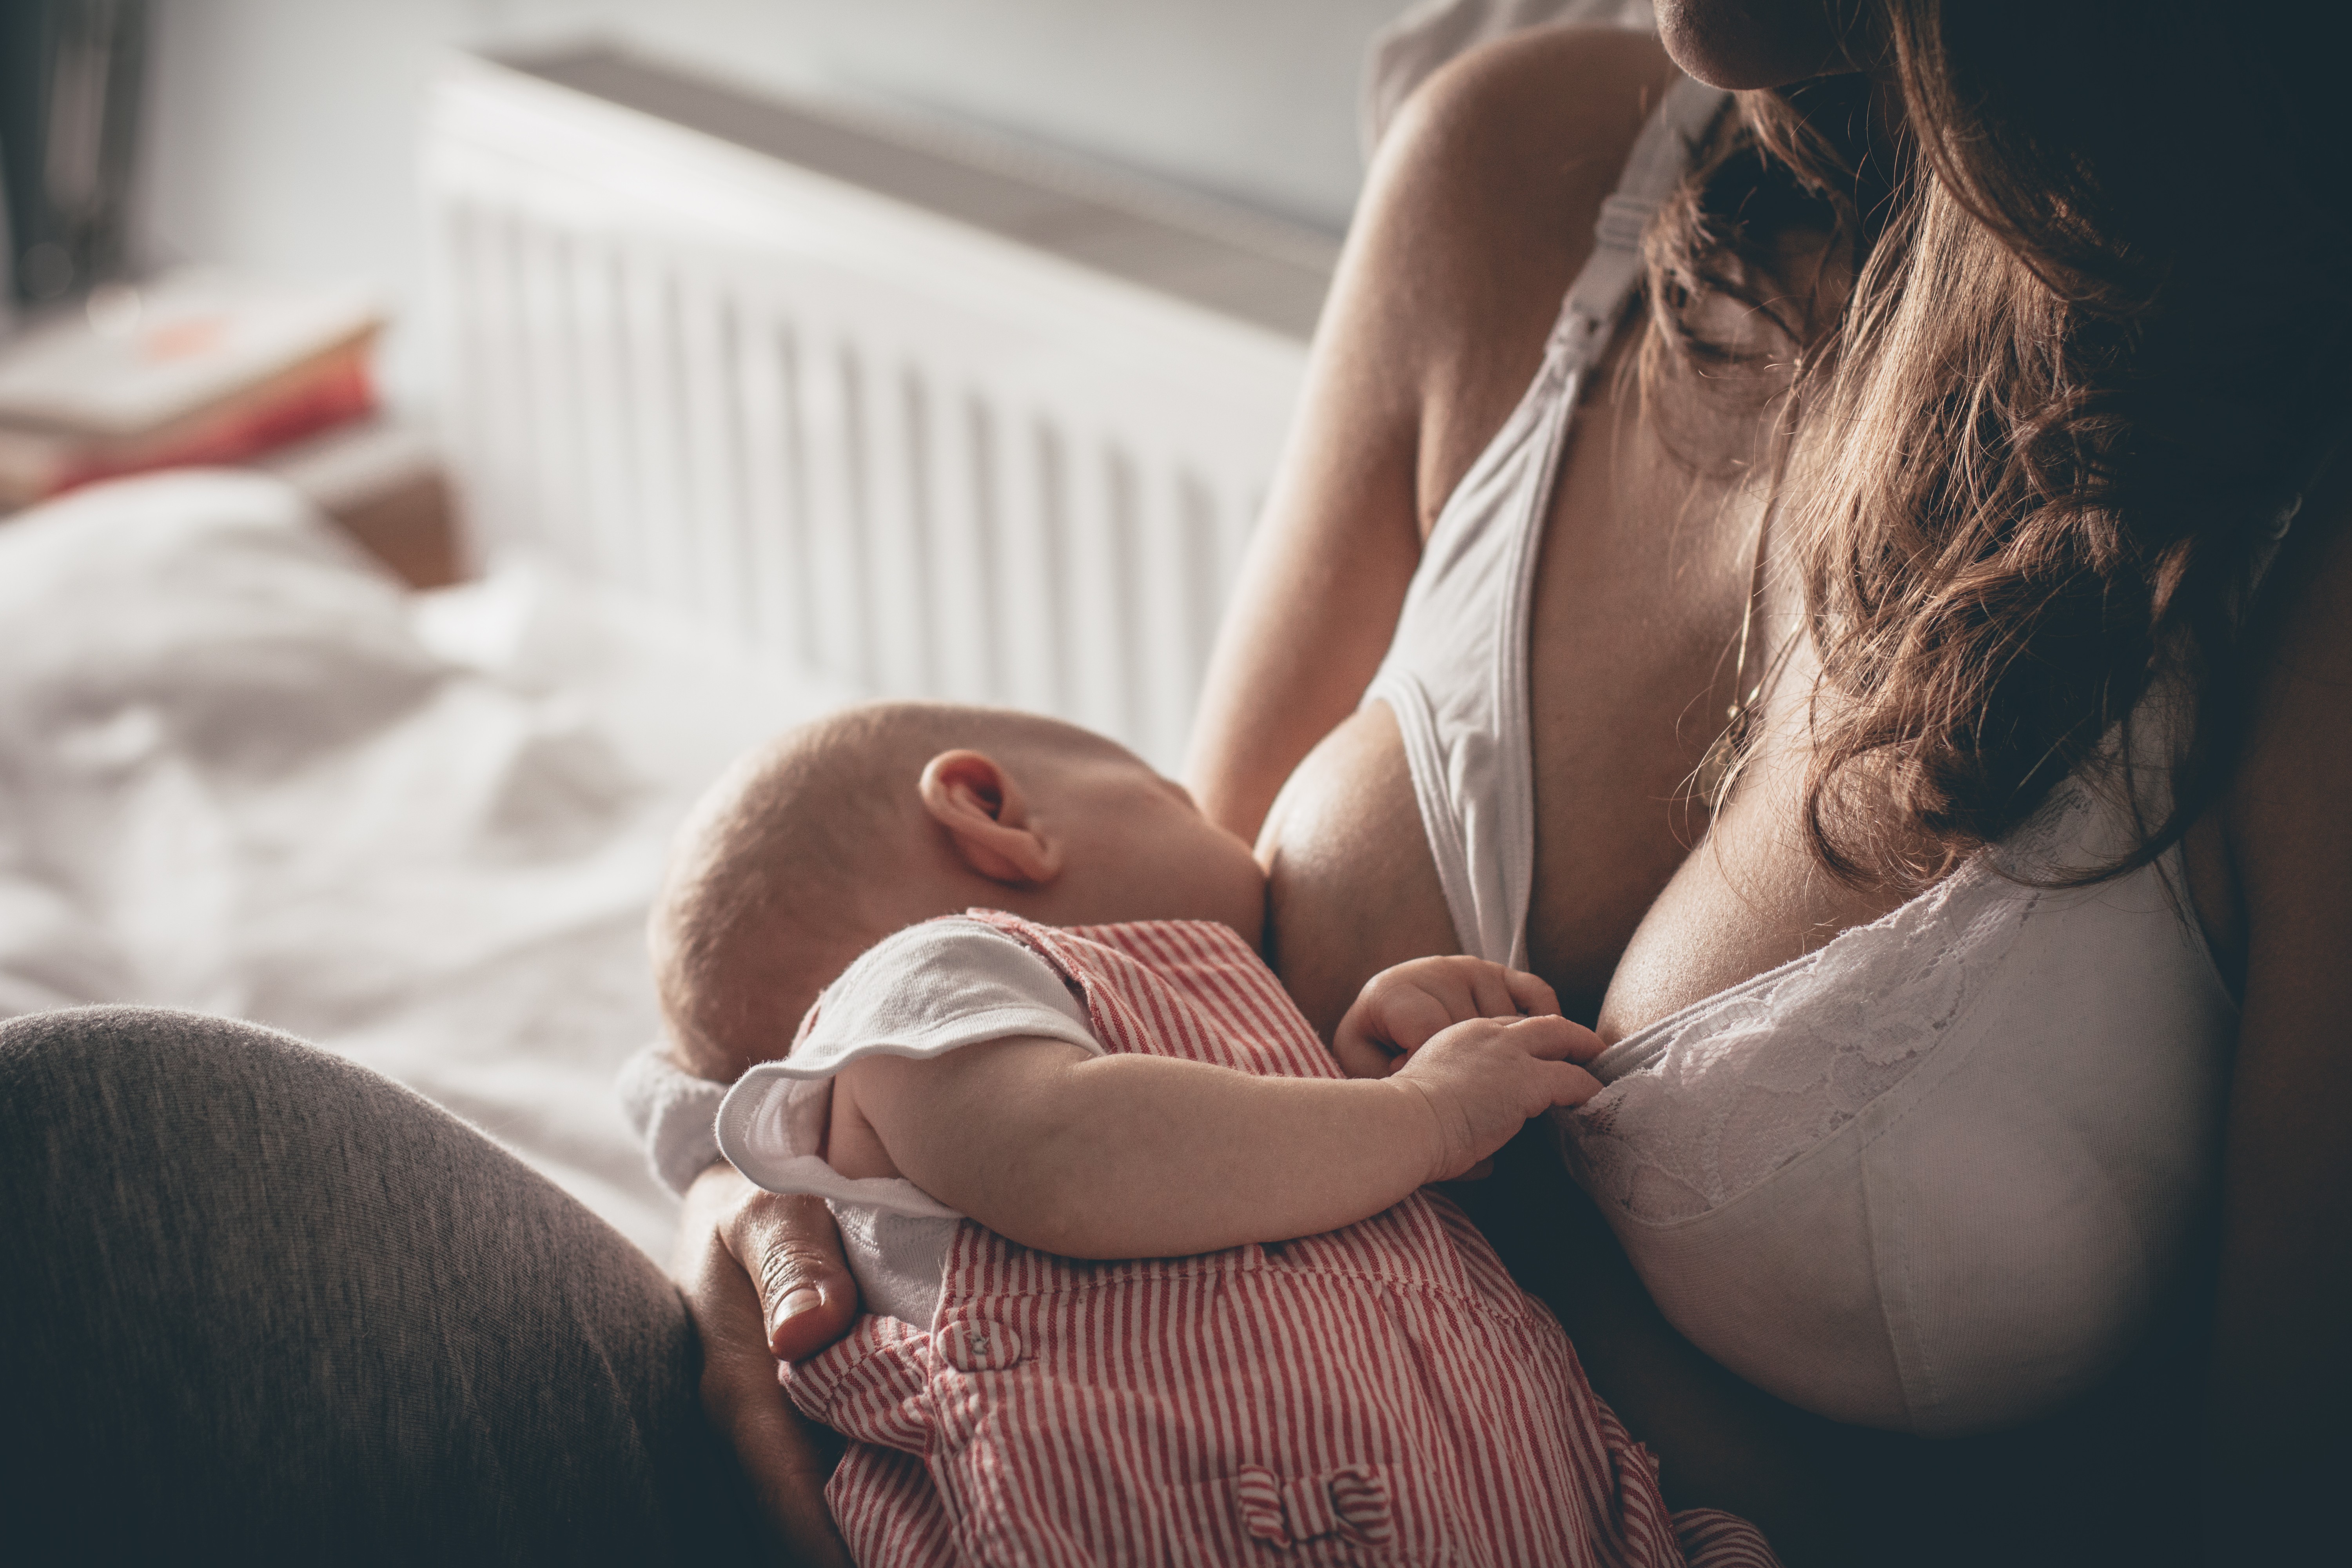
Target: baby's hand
x,y
1484,1079
1402,1007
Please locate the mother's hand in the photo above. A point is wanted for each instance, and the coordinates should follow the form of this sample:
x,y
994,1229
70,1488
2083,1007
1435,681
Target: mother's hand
x,y
764,1280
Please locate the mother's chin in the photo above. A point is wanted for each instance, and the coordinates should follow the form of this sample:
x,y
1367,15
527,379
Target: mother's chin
x,y
1747,44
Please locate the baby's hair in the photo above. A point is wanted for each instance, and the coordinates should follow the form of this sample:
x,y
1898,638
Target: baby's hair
x,y
764,899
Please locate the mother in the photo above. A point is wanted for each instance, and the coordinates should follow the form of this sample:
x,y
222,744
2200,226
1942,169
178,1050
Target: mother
x,y
1988,350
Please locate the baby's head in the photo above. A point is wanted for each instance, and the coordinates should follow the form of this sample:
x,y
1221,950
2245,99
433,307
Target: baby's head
x,y
817,845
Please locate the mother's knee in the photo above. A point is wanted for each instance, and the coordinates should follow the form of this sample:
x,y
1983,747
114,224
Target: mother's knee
x,y
126,1096
258,1293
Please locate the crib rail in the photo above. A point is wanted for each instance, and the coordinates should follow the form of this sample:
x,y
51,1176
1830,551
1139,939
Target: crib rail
x,y
931,426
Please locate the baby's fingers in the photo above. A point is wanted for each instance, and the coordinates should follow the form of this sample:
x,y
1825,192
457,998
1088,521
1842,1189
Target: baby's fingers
x,y
1362,1057
1568,1084
1410,1014
1555,1039
1492,995
1532,995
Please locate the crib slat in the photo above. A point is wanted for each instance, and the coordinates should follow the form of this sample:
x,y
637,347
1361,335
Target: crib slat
x,y
964,563
712,460
758,397
898,566
831,391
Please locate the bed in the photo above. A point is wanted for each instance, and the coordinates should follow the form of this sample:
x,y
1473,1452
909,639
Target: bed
x,y
244,770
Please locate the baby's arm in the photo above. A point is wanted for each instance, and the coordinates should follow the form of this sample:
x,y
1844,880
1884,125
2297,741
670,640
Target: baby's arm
x,y
1135,1156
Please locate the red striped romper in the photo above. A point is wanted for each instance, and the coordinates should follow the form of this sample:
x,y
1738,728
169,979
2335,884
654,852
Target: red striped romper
x,y
1381,1394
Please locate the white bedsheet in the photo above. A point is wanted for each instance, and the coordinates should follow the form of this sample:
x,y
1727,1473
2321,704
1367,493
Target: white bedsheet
x,y
242,771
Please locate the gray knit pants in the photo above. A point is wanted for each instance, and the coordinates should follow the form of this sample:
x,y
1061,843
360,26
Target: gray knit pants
x,y
259,1304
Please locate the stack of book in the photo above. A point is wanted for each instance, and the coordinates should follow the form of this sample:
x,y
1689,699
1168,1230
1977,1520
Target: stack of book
x,y
194,368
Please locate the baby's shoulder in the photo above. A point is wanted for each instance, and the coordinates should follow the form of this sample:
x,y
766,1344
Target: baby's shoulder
x,y
938,980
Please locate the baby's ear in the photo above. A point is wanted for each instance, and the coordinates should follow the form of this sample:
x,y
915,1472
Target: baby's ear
x,y
977,801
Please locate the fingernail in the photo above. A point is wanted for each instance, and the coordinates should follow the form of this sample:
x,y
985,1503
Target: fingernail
x,y
795,1302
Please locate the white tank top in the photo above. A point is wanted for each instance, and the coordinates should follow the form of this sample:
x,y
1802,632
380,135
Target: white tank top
x,y
1933,1177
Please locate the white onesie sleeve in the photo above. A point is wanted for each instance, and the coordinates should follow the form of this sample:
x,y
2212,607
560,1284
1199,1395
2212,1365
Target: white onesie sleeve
x,y
922,993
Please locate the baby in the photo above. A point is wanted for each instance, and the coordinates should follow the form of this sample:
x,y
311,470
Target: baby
x,y
1301,1356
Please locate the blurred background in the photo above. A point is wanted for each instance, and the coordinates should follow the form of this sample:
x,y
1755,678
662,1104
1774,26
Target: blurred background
x,y
279,136
516,407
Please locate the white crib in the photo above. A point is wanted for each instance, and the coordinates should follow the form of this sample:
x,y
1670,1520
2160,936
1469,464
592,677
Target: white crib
x,y
933,415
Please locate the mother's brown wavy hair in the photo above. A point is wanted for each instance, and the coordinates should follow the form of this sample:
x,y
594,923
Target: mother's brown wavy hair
x,y
2101,278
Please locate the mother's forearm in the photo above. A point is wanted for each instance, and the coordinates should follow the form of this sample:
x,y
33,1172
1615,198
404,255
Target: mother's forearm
x,y
783,1459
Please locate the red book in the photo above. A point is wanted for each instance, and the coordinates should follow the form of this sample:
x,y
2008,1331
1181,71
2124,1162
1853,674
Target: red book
x,y
194,369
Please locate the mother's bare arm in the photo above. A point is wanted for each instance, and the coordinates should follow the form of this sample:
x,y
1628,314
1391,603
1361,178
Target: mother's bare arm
x,y
1328,567
2281,1370
1474,214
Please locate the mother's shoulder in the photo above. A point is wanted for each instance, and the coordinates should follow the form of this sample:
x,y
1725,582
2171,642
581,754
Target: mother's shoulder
x,y
1545,84
1479,209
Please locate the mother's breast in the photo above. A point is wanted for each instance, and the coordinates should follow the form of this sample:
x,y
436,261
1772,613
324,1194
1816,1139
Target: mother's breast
x,y
1350,887
1935,1176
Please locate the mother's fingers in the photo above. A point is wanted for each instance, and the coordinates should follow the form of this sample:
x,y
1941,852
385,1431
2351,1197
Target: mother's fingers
x,y
792,1250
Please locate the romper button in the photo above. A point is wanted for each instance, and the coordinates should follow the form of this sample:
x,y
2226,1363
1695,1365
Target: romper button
x,y
977,1345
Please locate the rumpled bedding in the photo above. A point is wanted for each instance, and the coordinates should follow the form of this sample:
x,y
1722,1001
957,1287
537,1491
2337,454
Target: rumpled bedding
x,y
243,771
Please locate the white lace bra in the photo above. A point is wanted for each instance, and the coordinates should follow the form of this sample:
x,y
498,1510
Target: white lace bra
x,y
1936,1175
1933,1176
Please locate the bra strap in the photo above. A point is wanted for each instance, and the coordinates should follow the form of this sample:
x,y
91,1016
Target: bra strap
x,y
1661,157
